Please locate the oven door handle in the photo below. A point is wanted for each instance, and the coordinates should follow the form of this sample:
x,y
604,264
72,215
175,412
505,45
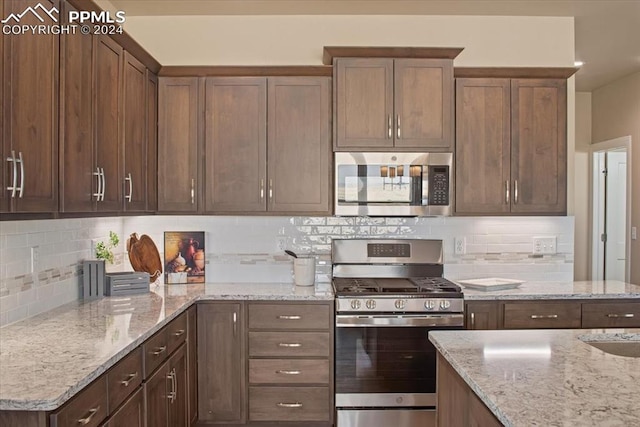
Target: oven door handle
x,y
391,320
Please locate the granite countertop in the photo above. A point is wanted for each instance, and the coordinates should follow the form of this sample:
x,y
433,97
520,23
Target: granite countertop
x,y
46,359
596,289
547,377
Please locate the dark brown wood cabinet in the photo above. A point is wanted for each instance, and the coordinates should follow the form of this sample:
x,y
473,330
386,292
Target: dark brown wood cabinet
x,y
511,150
192,364
29,167
152,141
483,315
221,363
267,156
611,314
131,414
401,104
541,314
178,144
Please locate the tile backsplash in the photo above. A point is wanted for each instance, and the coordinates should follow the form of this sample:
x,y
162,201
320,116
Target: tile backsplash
x,y
245,249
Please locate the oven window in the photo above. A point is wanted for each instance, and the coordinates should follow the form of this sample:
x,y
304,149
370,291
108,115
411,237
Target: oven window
x,y
380,184
385,360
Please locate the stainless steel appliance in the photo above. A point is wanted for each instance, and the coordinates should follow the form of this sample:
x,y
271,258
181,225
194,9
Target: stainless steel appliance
x,y
393,184
389,295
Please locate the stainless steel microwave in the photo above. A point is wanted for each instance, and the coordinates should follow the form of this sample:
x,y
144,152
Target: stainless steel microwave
x,y
393,184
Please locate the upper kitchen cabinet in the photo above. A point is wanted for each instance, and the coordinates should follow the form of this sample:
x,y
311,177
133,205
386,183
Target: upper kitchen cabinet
x,y
267,145
29,171
511,147
401,104
178,151
152,141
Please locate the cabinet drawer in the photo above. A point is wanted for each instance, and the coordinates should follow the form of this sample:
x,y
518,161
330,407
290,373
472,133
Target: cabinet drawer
x,y
131,414
124,378
177,332
155,352
88,408
288,344
288,371
611,315
542,315
289,404
289,316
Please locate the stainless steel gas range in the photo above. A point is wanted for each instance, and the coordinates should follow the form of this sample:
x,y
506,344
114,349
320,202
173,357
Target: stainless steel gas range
x,y
389,295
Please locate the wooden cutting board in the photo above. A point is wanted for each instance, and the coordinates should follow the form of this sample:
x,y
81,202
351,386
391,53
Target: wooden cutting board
x,y
144,255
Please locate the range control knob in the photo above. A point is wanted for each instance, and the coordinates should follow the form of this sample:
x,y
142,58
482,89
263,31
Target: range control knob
x,y
370,304
400,303
355,304
429,304
444,304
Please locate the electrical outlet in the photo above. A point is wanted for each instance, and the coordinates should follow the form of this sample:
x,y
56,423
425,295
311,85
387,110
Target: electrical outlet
x,y
544,245
460,246
281,243
35,258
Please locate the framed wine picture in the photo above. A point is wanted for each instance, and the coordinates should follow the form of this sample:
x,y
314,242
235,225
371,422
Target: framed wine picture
x,y
184,257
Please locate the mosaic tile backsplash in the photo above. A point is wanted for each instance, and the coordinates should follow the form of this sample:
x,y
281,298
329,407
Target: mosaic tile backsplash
x,y
245,249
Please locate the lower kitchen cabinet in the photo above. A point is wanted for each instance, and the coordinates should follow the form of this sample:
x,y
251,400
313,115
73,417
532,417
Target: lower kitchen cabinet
x,y
481,315
166,392
131,414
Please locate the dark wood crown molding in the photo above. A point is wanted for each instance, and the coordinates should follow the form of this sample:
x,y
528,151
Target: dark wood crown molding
x,y
516,72
246,71
331,52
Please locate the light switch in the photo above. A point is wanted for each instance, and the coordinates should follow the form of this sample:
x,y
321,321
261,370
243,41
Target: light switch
x,y
634,233
544,245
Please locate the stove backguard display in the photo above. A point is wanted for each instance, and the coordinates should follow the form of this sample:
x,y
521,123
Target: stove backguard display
x,y
386,250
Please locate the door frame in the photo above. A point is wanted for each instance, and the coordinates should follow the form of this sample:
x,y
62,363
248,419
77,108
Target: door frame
x,y
616,144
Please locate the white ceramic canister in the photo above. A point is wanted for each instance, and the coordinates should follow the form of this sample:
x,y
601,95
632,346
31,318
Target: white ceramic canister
x,y
304,270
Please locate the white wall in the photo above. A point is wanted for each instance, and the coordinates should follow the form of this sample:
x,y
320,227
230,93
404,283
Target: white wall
x,y
582,191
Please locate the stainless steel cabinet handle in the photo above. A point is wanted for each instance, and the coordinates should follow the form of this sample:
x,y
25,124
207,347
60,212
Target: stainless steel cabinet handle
x,y
193,191
159,350
175,383
473,320
98,192
389,127
544,316
290,317
506,192
398,124
615,316
86,420
14,181
262,189
104,184
515,192
172,377
19,160
286,372
293,344
130,378
179,332
130,195
289,405
235,323
270,189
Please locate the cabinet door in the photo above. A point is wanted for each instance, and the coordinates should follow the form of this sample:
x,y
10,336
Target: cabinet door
x,y
131,413
236,144
157,397
152,142
135,135
542,315
423,103
78,174
178,150
108,60
299,146
178,410
483,146
482,315
192,366
221,363
30,113
539,146
364,103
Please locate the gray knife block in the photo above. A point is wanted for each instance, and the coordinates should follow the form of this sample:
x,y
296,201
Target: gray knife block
x,y
93,279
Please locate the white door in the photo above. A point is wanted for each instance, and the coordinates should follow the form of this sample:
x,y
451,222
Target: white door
x,y
616,215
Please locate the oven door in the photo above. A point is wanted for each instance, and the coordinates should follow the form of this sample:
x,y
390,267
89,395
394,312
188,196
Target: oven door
x,y
386,362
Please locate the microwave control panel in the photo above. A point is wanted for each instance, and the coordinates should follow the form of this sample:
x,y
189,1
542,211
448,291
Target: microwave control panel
x,y
439,185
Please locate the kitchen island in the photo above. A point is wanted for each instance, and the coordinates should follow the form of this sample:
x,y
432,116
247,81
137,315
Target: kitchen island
x,y
542,377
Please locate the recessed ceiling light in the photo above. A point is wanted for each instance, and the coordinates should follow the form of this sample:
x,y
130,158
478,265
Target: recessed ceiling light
x,y
578,64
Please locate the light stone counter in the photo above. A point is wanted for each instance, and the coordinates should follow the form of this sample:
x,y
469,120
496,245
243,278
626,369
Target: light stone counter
x,y
597,289
547,377
46,359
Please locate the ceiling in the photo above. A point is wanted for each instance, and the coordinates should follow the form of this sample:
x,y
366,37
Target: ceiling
x,y
607,32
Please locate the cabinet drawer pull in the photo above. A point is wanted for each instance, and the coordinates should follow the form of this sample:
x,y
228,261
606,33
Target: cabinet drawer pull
x,y
290,317
515,192
506,192
473,320
293,344
270,189
159,350
19,160
286,372
289,405
130,378
98,192
398,124
129,179
389,127
544,316
178,333
104,184
262,189
193,191
615,316
86,420
14,181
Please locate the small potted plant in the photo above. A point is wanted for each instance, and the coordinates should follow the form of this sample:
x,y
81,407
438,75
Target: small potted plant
x,y
105,251
94,270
